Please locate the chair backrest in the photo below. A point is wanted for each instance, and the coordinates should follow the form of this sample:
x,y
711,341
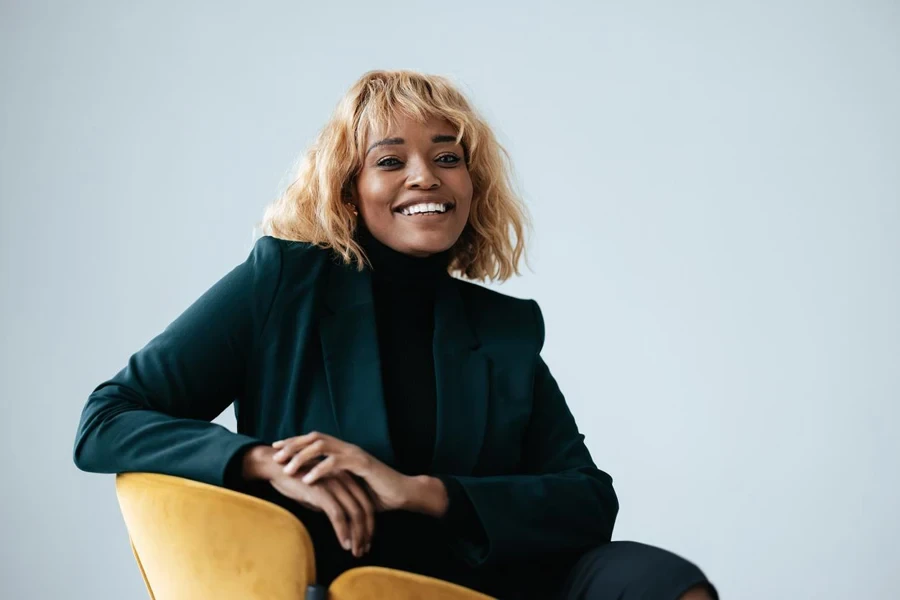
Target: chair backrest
x,y
193,541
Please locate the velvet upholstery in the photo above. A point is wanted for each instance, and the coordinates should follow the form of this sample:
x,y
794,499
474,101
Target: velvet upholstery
x,y
192,540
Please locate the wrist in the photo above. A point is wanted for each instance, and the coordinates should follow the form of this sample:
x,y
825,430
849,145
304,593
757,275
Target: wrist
x,y
427,495
258,464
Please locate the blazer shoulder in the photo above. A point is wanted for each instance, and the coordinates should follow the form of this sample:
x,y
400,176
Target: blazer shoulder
x,y
291,254
277,262
505,317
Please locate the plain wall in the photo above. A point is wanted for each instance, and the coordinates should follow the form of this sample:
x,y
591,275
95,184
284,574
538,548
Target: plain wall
x,y
715,189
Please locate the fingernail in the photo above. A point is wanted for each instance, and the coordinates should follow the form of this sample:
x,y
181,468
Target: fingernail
x,y
346,544
307,478
278,454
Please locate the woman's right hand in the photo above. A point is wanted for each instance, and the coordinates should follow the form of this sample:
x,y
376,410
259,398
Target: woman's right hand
x,y
341,497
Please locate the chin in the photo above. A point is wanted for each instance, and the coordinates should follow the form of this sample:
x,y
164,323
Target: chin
x,y
427,246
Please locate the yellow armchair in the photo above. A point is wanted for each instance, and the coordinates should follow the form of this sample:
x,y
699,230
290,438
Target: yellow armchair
x,y
195,541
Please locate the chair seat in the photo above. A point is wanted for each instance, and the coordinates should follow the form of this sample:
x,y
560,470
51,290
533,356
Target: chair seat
x,y
381,582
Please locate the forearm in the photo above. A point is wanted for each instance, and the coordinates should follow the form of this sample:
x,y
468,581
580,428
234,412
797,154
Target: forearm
x,y
117,434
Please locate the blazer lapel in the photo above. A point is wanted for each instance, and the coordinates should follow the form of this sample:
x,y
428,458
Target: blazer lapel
x,y
352,364
462,377
353,371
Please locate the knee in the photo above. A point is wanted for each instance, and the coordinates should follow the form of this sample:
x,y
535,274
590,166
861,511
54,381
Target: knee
x,y
698,592
646,571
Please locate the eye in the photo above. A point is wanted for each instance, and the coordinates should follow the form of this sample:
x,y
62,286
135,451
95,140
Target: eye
x,y
384,162
453,157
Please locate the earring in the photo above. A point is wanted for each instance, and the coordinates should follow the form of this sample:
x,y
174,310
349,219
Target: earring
x,y
352,208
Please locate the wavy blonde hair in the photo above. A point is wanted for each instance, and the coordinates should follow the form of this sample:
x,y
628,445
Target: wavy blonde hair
x,y
314,206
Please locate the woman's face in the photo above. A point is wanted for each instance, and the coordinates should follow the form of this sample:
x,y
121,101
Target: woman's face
x,y
407,171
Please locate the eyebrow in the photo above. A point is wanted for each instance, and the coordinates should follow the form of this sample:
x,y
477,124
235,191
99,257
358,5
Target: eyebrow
x,y
398,141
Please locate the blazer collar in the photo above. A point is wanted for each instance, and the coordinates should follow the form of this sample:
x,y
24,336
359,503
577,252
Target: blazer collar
x,y
353,370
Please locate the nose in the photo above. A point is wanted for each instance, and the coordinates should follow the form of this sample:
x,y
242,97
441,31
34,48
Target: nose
x,y
422,177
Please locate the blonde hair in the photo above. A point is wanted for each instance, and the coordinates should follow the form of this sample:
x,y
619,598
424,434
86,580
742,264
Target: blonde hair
x,y
314,206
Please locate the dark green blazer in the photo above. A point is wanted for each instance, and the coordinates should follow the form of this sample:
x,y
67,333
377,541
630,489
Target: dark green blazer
x,y
289,337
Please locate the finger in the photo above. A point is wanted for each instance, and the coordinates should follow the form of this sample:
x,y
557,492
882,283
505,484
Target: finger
x,y
291,444
327,467
323,469
294,444
303,457
362,497
289,447
335,512
297,444
310,452
355,514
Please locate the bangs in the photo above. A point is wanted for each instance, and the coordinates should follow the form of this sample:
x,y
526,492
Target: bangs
x,y
384,102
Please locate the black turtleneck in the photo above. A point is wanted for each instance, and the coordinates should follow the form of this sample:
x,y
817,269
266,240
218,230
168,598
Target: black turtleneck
x,y
403,289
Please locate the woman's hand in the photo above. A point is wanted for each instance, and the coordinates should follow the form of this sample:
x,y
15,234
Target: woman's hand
x,y
390,489
344,499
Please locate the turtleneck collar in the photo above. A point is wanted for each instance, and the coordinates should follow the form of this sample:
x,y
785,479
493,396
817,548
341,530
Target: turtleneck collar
x,y
388,263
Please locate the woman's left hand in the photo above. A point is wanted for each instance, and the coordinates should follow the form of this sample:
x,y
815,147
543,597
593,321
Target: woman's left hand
x,y
390,489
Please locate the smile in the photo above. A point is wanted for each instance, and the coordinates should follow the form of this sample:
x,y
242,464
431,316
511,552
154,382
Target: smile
x,y
426,209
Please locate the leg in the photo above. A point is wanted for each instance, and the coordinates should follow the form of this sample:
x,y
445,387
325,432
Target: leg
x,y
630,570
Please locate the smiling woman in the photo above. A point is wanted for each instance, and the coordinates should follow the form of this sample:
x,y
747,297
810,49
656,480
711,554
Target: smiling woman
x,y
399,139
404,414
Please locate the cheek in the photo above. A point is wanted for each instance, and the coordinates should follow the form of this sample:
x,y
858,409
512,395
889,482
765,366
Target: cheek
x,y
465,192
374,195
461,184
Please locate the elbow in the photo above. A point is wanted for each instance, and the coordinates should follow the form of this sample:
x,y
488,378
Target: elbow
x,y
608,514
82,461
89,452
607,503
84,453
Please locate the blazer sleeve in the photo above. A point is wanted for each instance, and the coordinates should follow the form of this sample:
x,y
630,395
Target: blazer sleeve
x,y
559,502
154,415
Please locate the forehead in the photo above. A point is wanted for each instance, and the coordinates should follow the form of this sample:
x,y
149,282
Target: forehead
x,y
407,127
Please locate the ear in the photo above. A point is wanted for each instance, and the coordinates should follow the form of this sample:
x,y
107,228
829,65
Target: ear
x,y
348,191
348,197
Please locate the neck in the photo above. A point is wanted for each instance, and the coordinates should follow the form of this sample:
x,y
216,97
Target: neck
x,y
387,262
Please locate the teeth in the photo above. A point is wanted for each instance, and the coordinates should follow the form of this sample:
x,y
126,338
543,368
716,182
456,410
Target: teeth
x,y
425,207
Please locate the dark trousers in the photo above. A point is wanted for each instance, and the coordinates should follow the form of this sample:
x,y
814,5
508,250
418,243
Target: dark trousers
x,y
617,570
629,570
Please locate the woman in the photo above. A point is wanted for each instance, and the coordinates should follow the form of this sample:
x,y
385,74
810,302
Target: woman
x,y
404,415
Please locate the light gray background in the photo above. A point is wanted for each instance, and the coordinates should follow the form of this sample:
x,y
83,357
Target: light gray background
x,y
716,199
